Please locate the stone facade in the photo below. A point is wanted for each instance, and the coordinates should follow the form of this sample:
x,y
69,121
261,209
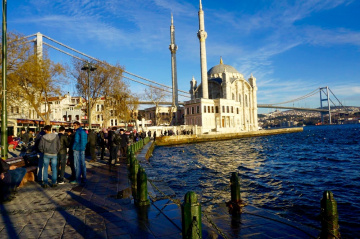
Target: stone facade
x,y
232,103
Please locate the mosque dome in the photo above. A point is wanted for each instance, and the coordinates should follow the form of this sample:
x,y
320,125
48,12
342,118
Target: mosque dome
x,y
218,69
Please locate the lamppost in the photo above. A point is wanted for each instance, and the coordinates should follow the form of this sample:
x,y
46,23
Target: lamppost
x,y
4,129
88,67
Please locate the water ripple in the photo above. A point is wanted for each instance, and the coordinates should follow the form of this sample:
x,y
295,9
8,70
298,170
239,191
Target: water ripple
x,y
285,174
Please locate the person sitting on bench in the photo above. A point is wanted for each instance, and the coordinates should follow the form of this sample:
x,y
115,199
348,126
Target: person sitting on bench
x,y
10,179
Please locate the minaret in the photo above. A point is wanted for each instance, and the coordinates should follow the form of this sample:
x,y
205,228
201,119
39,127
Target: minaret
x,y
173,48
202,36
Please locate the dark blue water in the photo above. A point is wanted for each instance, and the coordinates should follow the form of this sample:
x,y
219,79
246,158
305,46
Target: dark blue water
x,y
285,174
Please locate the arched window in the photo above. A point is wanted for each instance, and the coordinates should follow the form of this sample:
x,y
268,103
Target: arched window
x,y
216,109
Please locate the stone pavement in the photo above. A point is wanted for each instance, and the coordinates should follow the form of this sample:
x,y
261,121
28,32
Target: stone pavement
x,y
104,208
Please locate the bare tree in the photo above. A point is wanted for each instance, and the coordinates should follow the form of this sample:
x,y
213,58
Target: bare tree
x,y
32,81
156,95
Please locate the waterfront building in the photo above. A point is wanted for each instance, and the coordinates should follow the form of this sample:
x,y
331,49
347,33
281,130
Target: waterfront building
x,y
224,101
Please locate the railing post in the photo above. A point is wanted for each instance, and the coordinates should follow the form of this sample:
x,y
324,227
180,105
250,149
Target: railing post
x,y
329,217
142,190
235,204
191,217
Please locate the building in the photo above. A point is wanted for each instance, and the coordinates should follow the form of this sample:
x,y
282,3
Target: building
x,y
224,101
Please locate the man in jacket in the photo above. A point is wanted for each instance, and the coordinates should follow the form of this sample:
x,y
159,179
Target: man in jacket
x,y
64,144
49,146
79,147
10,179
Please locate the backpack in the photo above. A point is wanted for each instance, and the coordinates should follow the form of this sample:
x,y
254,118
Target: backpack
x,y
117,139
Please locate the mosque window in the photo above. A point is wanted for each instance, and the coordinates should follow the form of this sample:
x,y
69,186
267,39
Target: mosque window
x,y
212,109
192,110
208,109
227,109
217,109
232,109
198,109
204,109
237,110
187,111
223,109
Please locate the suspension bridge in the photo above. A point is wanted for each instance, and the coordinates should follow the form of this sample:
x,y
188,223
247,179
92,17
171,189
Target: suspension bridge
x,y
329,103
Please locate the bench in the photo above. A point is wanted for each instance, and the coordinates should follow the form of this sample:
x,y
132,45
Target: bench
x,y
30,170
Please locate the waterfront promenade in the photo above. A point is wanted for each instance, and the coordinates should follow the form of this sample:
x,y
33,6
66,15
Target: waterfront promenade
x,y
104,208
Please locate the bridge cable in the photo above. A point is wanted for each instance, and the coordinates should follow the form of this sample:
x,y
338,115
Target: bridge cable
x,y
299,98
153,86
95,59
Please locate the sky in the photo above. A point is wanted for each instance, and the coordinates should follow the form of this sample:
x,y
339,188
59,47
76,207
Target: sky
x,y
291,47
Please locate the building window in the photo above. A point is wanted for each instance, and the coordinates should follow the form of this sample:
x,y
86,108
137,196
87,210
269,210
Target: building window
x,y
237,110
77,117
198,109
232,109
240,99
216,109
212,109
204,109
115,122
208,109
227,109
223,109
98,117
192,110
187,111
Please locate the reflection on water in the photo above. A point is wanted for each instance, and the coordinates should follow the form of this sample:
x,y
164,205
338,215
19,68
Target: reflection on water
x,y
285,174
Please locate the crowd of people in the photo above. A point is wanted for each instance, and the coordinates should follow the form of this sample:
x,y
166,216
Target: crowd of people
x,y
67,147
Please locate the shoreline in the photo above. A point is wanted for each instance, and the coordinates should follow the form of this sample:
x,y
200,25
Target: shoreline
x,y
190,139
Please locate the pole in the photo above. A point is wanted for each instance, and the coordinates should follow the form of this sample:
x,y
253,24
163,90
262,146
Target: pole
x,y
88,83
4,129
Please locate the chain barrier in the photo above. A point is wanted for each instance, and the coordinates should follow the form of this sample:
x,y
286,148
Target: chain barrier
x,y
190,229
176,201
329,230
214,226
217,195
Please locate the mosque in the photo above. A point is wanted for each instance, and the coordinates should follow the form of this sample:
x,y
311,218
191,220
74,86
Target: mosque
x,y
224,101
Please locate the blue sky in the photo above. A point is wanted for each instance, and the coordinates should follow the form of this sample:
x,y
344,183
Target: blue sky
x,y
291,47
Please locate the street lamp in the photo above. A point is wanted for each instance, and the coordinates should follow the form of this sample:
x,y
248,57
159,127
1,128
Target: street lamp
x,y
88,67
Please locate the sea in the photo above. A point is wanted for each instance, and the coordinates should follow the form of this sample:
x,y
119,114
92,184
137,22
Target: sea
x,y
285,174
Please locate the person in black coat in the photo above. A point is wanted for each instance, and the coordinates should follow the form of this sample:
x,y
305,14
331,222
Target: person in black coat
x,y
92,144
124,143
61,162
113,148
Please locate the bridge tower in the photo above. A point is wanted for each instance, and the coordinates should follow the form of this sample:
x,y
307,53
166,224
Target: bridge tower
x,y
39,45
202,35
324,91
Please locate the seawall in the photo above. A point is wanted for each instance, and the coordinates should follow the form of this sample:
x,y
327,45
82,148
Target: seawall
x,y
189,139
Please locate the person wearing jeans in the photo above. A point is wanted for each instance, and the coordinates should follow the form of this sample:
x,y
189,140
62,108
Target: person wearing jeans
x,y
80,141
49,146
61,158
